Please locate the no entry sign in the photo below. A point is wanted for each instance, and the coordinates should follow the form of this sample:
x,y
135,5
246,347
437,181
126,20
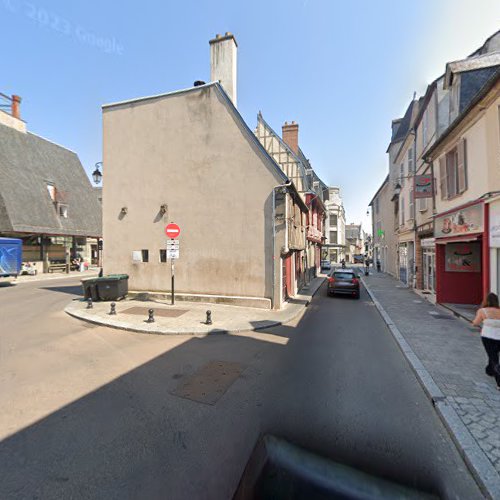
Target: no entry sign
x,y
172,231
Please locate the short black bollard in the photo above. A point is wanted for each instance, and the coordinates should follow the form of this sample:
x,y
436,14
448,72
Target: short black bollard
x,y
209,318
151,316
89,303
113,308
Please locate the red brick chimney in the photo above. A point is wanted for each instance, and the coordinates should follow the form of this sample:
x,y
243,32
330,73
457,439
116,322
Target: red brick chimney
x,y
290,132
16,101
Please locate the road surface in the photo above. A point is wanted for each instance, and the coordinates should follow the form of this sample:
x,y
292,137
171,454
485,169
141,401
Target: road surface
x,y
91,412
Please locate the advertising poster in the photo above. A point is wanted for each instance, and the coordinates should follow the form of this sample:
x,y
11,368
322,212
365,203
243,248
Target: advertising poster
x,y
463,257
463,221
495,224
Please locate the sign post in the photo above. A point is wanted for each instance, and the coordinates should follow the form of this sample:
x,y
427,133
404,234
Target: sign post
x,y
172,231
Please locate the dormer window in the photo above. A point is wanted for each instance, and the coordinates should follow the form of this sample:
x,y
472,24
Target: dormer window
x,y
62,210
52,191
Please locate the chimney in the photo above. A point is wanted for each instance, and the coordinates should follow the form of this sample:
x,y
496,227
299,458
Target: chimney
x,y
290,133
223,63
16,101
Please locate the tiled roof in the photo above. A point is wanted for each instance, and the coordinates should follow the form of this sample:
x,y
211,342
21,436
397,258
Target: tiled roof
x,y
27,164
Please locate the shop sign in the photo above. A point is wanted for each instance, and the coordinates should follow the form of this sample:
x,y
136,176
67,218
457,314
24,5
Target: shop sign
x,y
428,243
423,186
464,221
495,225
463,257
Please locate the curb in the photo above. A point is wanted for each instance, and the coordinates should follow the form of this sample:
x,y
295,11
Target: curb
x,y
478,463
215,331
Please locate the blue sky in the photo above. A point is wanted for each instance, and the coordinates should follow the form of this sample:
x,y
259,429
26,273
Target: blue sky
x,y
342,70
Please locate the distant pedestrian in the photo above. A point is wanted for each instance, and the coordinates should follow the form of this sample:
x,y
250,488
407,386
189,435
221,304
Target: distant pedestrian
x,y
378,266
489,317
343,263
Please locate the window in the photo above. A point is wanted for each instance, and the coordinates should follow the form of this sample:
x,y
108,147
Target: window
x,y
145,255
333,237
63,211
163,255
410,161
422,204
402,174
402,211
52,191
453,171
412,205
333,219
424,129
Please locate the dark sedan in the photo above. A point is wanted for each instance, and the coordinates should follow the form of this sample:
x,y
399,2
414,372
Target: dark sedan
x,y
344,282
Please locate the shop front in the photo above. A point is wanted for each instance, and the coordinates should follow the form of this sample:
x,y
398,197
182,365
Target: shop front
x,y
462,274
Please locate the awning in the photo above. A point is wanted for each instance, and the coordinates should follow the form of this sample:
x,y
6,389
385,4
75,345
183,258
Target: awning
x,y
458,239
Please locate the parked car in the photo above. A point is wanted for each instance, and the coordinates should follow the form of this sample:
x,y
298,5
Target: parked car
x,y
345,282
326,265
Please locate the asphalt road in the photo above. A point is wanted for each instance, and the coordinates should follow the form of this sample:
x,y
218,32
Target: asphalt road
x,y
89,412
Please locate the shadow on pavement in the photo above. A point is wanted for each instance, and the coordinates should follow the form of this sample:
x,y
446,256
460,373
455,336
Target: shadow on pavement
x,y
69,289
134,438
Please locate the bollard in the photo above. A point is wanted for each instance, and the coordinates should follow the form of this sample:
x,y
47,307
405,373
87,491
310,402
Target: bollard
x,y
151,316
209,318
89,303
113,308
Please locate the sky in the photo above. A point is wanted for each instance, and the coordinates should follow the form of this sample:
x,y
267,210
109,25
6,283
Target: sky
x,y
342,70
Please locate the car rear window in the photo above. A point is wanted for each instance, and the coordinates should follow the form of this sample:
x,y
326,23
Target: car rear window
x,y
344,276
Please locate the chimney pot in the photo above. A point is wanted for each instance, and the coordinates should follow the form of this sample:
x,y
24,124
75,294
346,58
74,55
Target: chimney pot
x,y
223,63
290,134
16,101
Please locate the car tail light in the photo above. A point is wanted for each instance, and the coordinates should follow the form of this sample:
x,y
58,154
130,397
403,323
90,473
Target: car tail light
x,y
331,279
355,281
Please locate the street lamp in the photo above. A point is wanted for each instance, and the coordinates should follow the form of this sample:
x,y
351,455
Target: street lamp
x,y
96,174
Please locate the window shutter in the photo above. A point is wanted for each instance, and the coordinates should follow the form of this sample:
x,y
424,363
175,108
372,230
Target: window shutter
x,y
442,177
462,166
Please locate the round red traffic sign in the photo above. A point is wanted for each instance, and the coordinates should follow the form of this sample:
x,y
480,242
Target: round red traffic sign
x,y
172,230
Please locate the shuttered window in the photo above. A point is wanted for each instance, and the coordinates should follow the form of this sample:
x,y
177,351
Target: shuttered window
x,y
451,172
462,166
442,178
412,205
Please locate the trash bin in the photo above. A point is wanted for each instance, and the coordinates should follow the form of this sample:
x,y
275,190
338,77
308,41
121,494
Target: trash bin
x,y
90,289
112,287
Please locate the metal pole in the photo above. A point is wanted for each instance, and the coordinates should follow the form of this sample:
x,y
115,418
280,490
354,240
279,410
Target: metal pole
x,y
173,280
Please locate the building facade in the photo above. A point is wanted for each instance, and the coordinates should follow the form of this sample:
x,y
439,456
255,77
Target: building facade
x,y
242,217
335,242
46,198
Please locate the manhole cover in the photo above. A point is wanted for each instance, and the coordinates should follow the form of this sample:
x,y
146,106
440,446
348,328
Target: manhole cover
x,y
167,313
210,382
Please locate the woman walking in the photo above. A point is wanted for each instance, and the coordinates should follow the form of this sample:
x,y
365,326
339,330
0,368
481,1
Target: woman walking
x,y
489,317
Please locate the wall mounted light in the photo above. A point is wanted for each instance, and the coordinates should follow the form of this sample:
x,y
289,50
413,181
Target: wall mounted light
x,y
163,209
124,211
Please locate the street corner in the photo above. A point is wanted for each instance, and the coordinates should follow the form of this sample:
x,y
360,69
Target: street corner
x,y
184,318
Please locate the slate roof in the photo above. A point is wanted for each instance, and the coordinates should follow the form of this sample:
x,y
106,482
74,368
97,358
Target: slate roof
x,y
27,164
470,64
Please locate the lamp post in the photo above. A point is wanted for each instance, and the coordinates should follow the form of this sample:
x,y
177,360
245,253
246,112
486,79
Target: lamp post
x,y
96,174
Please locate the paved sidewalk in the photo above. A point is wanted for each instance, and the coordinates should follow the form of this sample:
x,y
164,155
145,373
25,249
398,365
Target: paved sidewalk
x,y
188,318
448,358
90,273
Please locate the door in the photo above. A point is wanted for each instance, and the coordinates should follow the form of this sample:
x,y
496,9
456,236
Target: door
x,y
287,276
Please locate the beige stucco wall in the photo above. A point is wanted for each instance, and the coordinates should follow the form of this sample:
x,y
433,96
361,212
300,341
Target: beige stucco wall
x,y
483,161
189,151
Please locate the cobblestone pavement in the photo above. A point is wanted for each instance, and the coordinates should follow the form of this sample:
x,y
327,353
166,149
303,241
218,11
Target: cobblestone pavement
x,y
451,351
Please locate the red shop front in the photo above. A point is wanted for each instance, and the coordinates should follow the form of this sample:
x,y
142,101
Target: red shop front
x,y
462,254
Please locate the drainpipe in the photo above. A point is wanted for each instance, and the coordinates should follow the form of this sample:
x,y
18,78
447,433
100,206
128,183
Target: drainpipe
x,y
283,187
